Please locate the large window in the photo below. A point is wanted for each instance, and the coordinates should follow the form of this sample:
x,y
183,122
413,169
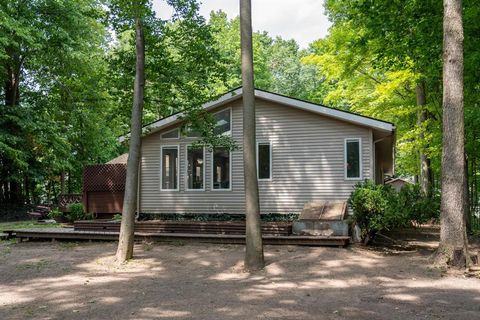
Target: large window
x,y
169,168
223,119
353,159
173,134
221,166
264,160
195,168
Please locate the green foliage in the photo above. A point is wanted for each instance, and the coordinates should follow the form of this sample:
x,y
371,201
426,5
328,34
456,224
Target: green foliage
x,y
26,225
75,212
371,204
117,217
58,121
55,214
273,217
378,207
412,206
277,62
376,53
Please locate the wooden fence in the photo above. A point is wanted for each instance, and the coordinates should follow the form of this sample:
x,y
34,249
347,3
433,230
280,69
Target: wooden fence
x,y
64,200
103,188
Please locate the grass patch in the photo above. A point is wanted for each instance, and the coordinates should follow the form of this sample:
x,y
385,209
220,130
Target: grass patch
x,y
28,224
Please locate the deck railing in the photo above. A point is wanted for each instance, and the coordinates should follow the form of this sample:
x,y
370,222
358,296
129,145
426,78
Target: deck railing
x,y
64,200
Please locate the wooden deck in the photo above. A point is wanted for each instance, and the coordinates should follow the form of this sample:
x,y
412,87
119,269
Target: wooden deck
x,y
195,227
71,234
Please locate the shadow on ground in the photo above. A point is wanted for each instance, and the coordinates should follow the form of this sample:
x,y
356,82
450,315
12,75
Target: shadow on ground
x,y
66,280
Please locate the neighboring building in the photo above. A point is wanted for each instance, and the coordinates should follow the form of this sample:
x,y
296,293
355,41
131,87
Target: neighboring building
x,y
398,183
306,152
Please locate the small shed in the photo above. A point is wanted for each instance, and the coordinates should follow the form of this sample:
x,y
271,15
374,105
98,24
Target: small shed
x,y
397,183
104,187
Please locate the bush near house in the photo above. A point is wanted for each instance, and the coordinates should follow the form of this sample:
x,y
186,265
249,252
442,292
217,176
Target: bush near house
x,y
379,207
75,212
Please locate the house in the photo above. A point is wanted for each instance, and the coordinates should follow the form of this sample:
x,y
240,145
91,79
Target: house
x,y
306,152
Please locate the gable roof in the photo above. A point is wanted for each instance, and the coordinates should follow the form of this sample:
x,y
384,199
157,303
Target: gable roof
x,y
236,94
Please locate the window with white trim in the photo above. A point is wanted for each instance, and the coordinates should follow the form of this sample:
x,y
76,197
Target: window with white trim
x,y
264,160
173,134
169,168
223,119
195,168
221,169
353,158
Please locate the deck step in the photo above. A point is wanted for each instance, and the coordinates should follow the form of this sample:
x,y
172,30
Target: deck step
x,y
71,234
200,227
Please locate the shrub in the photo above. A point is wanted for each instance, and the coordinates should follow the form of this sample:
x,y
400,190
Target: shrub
x,y
75,212
379,207
371,205
117,217
415,207
55,214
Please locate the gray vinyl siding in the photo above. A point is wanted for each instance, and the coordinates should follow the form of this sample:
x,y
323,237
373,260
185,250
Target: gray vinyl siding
x,y
307,164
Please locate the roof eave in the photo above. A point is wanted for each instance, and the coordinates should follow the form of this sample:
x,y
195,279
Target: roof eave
x,y
299,104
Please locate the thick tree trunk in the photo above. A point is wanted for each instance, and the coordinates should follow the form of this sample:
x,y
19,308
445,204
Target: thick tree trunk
x,y
126,238
12,81
426,176
453,236
254,247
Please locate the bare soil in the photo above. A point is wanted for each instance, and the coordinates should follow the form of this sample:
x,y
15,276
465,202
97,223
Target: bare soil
x,y
67,280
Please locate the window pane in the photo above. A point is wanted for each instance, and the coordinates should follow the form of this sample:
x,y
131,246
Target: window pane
x,y
264,161
189,132
223,121
170,135
221,169
169,168
353,159
195,166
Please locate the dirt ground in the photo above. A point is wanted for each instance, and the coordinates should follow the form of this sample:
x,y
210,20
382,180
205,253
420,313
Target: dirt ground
x,y
67,280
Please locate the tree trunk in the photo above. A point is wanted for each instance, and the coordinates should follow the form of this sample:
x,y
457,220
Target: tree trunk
x,y
453,236
467,197
126,238
426,177
26,183
254,247
62,182
69,182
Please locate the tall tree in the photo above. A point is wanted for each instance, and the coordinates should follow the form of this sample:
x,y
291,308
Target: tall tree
x,y
126,238
254,247
453,236
54,106
278,65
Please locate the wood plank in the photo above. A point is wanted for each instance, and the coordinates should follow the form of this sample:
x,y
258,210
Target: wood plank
x,y
71,234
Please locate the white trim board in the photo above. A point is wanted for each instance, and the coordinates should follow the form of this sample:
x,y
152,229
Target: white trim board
x,y
295,103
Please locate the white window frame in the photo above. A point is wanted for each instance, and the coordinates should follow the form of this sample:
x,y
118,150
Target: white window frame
x,y
345,158
177,146
227,133
186,169
259,142
229,168
178,134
